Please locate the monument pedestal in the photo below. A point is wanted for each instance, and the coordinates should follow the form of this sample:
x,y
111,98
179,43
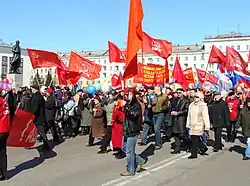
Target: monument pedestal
x,y
16,79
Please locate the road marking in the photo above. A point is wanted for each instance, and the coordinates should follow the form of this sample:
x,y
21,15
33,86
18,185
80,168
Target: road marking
x,y
150,169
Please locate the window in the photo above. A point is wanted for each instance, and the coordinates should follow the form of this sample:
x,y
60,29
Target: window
x,y
172,58
186,58
116,68
202,65
41,71
247,47
186,65
104,68
98,81
238,47
87,82
46,70
150,60
210,65
110,68
194,58
179,58
104,75
158,59
105,61
202,57
171,65
4,65
194,65
232,47
99,61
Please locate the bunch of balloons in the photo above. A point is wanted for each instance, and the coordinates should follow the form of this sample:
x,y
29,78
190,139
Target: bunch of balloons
x,y
5,84
91,90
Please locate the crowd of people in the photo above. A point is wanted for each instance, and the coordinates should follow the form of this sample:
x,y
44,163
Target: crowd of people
x,y
122,119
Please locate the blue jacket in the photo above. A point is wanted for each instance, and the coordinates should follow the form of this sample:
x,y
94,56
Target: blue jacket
x,y
59,96
148,114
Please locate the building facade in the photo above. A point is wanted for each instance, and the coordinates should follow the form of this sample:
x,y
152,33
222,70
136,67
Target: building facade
x,y
195,56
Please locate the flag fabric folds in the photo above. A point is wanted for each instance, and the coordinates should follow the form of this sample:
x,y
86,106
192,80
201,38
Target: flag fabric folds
x,y
158,47
204,76
235,62
44,59
134,41
66,77
179,75
115,54
88,69
23,130
216,56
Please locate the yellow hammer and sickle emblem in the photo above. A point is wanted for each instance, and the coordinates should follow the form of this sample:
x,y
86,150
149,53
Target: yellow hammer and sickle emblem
x,y
34,55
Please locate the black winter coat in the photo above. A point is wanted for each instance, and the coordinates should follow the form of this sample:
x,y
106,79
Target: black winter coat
x,y
132,119
220,116
50,108
38,108
179,121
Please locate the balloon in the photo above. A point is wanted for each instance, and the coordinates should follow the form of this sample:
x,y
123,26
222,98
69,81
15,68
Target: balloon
x,y
5,85
106,87
9,87
91,90
97,86
5,80
1,84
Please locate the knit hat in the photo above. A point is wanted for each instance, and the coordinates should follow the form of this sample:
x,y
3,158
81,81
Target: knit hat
x,y
49,90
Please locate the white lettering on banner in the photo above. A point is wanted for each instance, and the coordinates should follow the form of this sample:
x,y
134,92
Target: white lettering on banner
x,y
32,136
26,128
122,56
156,46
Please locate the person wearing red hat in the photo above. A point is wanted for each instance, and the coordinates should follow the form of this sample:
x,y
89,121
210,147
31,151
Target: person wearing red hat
x,y
131,130
4,133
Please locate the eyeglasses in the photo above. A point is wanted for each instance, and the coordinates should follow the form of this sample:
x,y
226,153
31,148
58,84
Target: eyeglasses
x,y
179,92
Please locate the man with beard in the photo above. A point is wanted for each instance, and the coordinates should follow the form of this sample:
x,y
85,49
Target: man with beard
x,y
220,118
179,117
38,109
131,130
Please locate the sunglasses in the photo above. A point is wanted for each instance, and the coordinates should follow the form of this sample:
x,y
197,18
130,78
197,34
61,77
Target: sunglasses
x,y
179,92
196,97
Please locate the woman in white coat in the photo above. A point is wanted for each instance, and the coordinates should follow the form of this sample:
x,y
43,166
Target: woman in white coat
x,y
197,123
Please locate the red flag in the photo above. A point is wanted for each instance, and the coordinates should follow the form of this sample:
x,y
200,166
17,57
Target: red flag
x,y
178,74
4,116
116,82
44,59
216,56
235,62
157,47
23,130
66,77
89,69
188,73
115,54
204,76
134,41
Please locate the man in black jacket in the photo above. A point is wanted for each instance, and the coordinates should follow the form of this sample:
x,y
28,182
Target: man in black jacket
x,y
131,130
179,117
220,118
38,109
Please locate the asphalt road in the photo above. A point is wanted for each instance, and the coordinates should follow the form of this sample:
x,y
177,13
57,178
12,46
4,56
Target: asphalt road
x,y
74,164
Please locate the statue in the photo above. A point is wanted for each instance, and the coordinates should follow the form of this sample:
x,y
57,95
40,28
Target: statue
x,y
16,60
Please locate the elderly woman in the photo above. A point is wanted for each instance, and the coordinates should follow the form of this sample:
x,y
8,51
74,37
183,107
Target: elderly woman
x,y
197,123
97,122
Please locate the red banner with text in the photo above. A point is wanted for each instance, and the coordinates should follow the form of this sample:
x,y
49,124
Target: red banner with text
x,y
150,73
23,131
